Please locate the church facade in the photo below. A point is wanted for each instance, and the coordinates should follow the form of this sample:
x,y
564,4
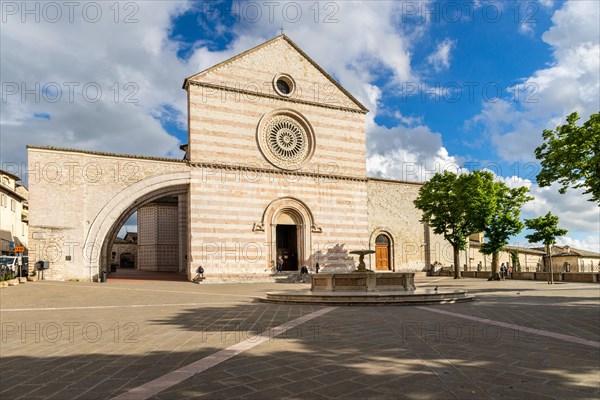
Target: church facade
x,y
275,168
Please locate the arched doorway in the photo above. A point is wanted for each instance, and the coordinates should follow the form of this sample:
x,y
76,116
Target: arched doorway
x,y
289,225
127,260
382,253
287,230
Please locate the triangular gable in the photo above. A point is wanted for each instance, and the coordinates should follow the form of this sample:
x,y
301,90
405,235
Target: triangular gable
x,y
254,69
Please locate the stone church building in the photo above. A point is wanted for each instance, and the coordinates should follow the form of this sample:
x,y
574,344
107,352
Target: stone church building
x,y
275,166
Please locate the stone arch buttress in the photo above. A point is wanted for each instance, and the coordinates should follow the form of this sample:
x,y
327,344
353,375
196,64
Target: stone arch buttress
x,y
119,209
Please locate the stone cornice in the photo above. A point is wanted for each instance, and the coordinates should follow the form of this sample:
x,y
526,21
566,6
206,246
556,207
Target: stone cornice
x,y
395,181
276,97
105,154
275,171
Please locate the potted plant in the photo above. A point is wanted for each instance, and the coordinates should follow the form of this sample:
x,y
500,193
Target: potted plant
x,y
32,276
12,281
22,279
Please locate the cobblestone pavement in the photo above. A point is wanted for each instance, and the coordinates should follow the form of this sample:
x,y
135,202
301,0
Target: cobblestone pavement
x,y
518,340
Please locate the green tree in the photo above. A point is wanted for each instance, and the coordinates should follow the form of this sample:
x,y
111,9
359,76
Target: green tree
x,y
545,230
570,155
504,221
456,206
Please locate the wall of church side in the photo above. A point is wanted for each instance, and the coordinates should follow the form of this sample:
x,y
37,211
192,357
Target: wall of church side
x,y
223,130
67,191
440,250
225,206
391,211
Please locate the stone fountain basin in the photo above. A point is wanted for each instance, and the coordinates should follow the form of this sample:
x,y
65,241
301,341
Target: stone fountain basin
x,y
363,282
365,289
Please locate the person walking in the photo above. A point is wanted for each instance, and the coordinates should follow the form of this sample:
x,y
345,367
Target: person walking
x,y
280,264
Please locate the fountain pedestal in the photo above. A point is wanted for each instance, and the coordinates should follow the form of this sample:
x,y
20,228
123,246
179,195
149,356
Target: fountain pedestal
x,y
363,282
362,267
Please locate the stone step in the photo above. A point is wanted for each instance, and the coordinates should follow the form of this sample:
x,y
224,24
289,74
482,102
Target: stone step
x,y
416,297
283,277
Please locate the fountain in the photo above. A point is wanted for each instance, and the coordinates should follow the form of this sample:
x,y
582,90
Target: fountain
x,y
362,267
363,279
365,287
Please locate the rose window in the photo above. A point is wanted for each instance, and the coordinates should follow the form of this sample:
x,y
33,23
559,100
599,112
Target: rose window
x,y
284,140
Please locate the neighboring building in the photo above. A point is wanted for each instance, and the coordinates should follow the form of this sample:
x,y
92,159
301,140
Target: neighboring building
x,y
14,213
523,259
565,258
526,259
125,251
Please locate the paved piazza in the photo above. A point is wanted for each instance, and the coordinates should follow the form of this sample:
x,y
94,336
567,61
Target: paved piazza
x,y
177,340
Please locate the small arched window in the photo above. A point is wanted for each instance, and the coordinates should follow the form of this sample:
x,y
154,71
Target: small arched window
x,y
382,239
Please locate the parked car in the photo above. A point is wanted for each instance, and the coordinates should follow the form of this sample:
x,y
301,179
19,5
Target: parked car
x,y
12,263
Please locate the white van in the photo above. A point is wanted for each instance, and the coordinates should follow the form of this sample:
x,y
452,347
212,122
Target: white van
x,y
12,262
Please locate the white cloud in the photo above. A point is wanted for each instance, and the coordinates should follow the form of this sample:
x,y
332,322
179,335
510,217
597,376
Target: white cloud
x,y
408,120
575,212
126,61
440,58
547,3
590,243
407,153
570,83
364,41
579,216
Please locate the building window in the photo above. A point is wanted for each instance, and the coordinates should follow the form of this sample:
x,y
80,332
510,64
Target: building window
x,y
285,138
3,200
12,205
284,85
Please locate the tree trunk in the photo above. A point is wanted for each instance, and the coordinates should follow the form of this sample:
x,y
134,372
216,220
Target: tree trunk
x,y
551,270
495,276
457,274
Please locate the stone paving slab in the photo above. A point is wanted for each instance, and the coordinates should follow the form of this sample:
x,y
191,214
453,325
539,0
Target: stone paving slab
x,y
94,341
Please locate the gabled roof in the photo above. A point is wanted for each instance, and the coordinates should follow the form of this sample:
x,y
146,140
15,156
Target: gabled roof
x,y
570,251
528,250
298,49
10,175
131,237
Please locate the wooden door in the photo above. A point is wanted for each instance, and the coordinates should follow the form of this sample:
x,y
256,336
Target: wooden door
x,y
382,253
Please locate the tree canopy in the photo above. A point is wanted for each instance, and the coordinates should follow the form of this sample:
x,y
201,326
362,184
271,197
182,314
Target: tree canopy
x,y
545,229
504,221
456,206
570,155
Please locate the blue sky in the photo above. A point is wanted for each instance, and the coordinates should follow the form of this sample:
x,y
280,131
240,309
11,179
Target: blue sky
x,y
489,49
391,55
